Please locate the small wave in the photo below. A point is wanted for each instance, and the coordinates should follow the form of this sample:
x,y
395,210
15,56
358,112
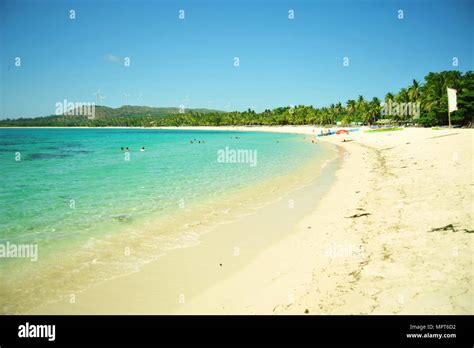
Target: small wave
x,y
45,156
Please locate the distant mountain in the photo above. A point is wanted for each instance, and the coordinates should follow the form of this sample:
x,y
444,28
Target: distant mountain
x,y
127,115
130,110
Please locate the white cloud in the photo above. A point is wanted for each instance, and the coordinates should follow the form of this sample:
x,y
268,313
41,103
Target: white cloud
x,y
111,58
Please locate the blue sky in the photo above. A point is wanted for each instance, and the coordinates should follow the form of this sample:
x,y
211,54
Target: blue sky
x,y
191,61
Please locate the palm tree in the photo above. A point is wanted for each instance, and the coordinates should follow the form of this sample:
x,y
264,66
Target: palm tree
x,y
389,97
434,97
414,91
360,105
374,108
465,100
361,109
434,90
351,105
402,96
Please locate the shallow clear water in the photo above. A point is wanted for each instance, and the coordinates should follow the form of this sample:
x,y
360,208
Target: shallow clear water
x,y
74,192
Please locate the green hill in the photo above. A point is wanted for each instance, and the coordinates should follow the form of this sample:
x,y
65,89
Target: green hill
x,y
129,110
126,115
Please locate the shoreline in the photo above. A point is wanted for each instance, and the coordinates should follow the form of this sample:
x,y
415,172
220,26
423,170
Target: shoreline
x,y
397,259
182,269
384,261
80,270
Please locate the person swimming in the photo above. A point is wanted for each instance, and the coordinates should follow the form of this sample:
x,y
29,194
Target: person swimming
x,y
142,149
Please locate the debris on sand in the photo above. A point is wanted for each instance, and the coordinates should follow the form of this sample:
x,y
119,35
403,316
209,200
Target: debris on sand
x,y
451,228
357,215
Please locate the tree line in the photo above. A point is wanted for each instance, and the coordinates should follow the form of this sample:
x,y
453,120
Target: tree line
x,y
429,98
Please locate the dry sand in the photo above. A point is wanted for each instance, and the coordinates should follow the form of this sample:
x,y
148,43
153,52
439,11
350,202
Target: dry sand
x,y
367,247
410,182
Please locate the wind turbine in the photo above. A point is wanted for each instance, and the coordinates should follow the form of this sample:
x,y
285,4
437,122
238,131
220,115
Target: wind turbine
x,y
101,97
97,96
126,98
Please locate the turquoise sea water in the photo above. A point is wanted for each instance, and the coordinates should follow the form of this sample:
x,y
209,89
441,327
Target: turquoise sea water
x,y
74,192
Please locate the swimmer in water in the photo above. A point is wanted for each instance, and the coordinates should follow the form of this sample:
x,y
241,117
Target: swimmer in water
x,y
142,149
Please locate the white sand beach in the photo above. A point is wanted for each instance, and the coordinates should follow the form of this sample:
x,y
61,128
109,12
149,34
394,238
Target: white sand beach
x,y
392,236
